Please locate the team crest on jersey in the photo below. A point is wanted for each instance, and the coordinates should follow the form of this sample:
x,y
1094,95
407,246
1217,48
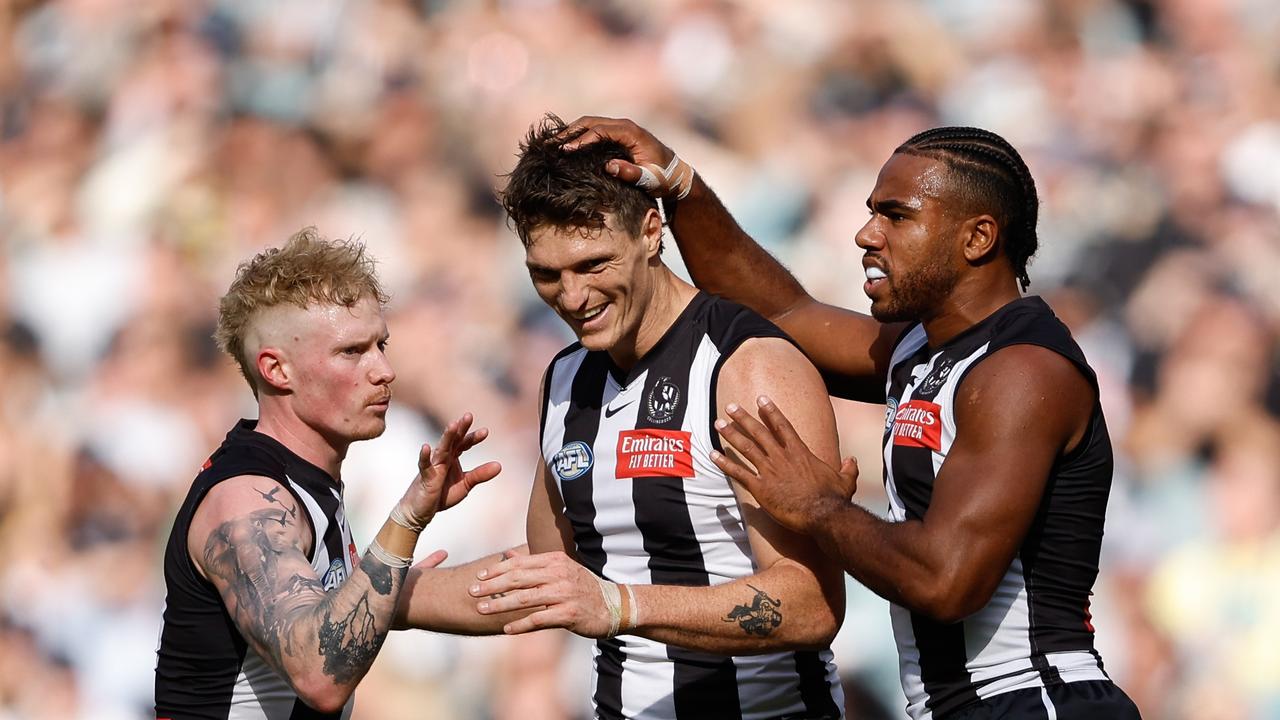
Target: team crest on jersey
x,y
334,576
663,401
938,377
572,461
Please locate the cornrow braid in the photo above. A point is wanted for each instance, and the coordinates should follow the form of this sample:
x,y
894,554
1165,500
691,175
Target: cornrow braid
x,y
992,176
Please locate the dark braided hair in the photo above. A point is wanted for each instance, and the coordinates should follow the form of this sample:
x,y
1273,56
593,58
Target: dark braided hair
x,y
989,176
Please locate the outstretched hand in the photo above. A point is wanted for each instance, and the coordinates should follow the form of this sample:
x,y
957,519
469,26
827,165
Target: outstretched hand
x,y
564,594
656,169
789,481
441,482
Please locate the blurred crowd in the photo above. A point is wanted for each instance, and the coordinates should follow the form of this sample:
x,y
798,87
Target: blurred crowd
x,y
148,147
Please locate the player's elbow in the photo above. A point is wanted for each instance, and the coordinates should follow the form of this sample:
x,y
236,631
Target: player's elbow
x,y
320,694
951,599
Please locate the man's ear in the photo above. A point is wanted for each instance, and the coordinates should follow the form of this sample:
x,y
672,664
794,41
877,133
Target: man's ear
x,y
981,236
274,369
651,233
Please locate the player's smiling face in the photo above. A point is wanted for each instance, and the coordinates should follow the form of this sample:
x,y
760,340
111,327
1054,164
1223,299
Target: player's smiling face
x,y
598,281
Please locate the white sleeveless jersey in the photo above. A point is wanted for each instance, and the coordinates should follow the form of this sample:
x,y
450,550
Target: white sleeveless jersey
x,y
630,452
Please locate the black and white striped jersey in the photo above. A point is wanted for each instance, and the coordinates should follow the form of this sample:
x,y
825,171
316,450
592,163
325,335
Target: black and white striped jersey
x,y
205,668
1036,629
630,452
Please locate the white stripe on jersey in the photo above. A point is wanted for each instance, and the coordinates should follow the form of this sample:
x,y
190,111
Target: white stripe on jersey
x,y
260,693
914,340
319,523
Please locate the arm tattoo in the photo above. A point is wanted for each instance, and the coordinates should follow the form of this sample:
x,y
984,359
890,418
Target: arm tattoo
x,y
760,618
350,643
283,608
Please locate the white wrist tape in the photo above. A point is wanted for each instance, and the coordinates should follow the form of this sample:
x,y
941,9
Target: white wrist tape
x,y
385,557
676,179
398,517
613,603
633,618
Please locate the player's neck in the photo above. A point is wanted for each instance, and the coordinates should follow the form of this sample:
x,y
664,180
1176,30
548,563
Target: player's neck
x,y
671,296
278,422
970,303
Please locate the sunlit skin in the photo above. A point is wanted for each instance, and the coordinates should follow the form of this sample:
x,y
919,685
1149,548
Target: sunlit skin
x,y
942,265
610,288
323,377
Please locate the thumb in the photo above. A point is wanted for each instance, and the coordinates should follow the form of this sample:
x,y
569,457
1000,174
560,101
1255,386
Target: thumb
x,y
849,473
627,172
432,560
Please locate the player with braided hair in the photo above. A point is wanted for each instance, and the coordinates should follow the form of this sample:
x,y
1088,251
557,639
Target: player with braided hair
x,y
997,460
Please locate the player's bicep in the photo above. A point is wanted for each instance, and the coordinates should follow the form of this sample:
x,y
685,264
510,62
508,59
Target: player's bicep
x,y
248,538
776,368
1016,413
851,350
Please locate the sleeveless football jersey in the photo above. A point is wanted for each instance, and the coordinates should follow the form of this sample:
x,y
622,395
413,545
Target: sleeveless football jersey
x,y
630,454
205,667
1035,631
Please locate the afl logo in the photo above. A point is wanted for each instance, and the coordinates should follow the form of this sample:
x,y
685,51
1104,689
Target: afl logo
x,y
664,398
890,412
573,461
336,573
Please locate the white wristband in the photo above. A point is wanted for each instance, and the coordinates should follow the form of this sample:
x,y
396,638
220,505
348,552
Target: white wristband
x,y
633,618
613,603
387,558
398,517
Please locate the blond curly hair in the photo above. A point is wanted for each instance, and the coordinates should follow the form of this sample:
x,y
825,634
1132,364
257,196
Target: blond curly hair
x,y
308,269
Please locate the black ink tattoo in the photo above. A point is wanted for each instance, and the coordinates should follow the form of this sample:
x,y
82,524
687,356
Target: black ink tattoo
x,y
271,497
350,644
761,618
495,596
379,574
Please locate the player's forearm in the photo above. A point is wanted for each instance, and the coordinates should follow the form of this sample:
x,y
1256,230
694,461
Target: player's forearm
x,y
899,561
437,599
723,259
328,645
781,608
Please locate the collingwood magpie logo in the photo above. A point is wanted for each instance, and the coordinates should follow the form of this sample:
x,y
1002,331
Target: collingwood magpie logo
x,y
663,401
573,461
939,375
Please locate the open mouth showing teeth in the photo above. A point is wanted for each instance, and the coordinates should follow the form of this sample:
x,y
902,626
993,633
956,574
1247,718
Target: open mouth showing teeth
x,y
875,273
590,314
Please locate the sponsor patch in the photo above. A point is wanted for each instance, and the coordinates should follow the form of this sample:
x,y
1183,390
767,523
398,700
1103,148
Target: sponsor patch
x,y
650,452
663,400
572,461
334,576
918,423
890,410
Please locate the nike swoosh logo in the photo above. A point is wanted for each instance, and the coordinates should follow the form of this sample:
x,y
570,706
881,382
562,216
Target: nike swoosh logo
x,y
610,412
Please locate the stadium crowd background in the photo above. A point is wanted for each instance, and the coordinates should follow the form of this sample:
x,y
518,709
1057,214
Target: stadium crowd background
x,y
147,147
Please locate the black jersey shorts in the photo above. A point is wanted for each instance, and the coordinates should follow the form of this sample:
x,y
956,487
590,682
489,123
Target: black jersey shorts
x,y
1084,700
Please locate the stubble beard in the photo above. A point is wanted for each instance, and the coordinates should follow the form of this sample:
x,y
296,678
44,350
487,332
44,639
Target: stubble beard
x,y
916,296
